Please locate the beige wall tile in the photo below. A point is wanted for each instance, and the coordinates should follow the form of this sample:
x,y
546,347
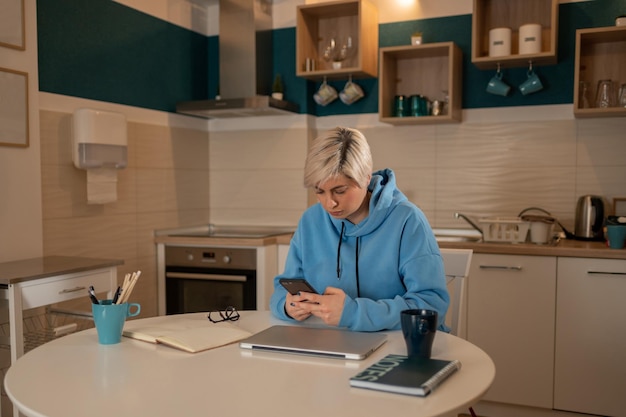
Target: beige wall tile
x,y
163,147
504,144
601,142
104,236
402,147
258,150
171,189
258,189
251,216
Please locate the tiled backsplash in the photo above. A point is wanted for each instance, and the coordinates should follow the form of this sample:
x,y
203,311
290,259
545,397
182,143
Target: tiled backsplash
x,y
478,168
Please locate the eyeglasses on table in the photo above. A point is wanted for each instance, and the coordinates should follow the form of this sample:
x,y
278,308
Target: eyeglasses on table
x,y
228,314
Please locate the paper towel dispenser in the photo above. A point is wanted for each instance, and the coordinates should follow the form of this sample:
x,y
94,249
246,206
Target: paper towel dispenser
x,y
100,139
99,146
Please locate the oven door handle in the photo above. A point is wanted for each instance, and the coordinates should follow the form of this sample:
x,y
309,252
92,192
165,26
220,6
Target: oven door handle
x,y
208,277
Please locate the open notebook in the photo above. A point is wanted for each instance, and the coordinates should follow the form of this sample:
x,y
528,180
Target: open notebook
x,y
188,334
335,343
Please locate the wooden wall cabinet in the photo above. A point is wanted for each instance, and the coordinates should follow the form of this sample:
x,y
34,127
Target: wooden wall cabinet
x,y
431,70
491,14
349,23
600,55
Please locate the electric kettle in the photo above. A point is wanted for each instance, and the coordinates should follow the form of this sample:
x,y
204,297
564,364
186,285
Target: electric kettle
x,y
590,213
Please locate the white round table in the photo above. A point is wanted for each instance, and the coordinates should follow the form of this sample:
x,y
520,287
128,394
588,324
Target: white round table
x,y
74,376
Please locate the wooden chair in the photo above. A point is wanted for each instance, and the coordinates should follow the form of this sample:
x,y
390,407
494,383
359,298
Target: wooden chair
x,y
456,263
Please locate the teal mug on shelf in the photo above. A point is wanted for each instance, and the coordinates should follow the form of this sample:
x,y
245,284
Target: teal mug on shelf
x,y
497,86
532,84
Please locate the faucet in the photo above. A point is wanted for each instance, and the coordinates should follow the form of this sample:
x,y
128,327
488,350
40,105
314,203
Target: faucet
x,y
467,219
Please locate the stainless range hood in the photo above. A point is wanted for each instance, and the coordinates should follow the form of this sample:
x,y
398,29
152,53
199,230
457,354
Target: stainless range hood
x,y
245,55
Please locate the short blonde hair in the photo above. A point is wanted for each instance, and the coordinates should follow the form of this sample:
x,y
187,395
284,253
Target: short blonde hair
x,y
340,151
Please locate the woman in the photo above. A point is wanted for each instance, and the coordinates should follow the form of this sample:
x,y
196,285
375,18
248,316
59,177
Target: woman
x,y
367,250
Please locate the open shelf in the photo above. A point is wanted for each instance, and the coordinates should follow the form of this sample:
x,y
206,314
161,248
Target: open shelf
x,y
490,14
347,22
427,69
599,56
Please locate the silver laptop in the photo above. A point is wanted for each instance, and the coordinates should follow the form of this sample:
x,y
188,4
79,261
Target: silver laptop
x,y
334,343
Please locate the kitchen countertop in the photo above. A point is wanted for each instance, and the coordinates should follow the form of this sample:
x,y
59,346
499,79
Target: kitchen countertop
x,y
47,266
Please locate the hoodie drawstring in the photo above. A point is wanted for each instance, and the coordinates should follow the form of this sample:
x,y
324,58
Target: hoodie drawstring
x,y
343,226
358,240
358,286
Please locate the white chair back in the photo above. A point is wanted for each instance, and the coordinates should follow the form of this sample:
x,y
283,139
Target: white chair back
x,y
456,263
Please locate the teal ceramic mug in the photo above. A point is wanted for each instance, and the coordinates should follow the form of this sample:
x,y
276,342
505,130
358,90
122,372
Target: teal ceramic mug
x,y
531,85
110,318
497,86
616,235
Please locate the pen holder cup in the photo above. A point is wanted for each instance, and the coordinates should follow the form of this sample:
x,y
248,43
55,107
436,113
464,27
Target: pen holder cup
x,y
110,318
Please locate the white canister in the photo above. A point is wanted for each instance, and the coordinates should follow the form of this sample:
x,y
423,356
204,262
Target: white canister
x,y
530,38
500,42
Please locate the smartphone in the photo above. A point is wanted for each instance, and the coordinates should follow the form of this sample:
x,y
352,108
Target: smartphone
x,y
295,285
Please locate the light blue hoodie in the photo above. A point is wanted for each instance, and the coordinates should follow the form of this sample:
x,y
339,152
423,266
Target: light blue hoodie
x,y
391,255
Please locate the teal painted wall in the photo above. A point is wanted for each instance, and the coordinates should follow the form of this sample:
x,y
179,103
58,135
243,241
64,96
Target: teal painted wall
x,y
102,50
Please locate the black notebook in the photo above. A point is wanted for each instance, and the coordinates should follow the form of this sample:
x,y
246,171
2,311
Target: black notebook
x,y
399,374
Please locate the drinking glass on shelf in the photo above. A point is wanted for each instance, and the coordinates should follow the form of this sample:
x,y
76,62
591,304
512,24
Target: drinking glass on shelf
x,y
583,95
605,95
621,101
336,51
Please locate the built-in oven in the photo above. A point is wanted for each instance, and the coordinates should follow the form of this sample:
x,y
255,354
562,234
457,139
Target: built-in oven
x,y
199,279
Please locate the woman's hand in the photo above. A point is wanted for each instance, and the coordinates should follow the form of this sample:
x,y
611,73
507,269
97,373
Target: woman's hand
x,y
327,307
293,306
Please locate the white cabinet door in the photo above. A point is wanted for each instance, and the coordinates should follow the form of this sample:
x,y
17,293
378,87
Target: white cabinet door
x,y
511,315
590,360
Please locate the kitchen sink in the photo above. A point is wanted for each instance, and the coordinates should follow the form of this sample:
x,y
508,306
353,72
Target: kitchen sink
x,y
457,235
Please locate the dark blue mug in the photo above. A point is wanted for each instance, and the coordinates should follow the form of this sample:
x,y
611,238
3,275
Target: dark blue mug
x,y
418,328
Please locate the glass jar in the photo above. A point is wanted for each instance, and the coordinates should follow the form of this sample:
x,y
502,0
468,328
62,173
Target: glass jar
x,y
400,106
621,101
583,95
605,95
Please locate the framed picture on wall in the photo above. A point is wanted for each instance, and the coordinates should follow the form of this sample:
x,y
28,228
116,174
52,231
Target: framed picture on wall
x,y
13,107
12,24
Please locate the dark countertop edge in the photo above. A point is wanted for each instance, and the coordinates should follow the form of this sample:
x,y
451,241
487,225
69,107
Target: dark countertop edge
x,y
565,248
47,266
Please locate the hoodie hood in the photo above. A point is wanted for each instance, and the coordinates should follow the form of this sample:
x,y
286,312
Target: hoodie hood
x,y
385,197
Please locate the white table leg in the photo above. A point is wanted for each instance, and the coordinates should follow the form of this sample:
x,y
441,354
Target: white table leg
x,y
16,327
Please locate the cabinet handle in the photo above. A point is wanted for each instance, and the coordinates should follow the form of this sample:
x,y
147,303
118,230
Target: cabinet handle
x,y
69,290
509,268
605,273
